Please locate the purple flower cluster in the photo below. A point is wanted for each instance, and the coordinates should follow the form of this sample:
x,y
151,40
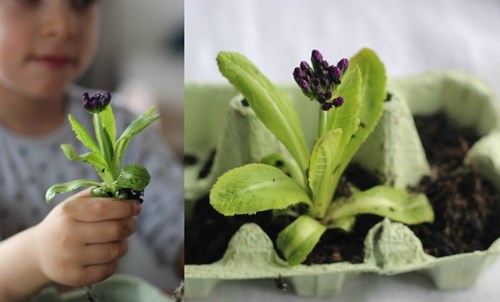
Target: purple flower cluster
x,y
319,81
96,103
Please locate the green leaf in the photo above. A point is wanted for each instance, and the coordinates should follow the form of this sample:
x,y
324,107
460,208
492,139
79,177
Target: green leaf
x,y
346,117
276,160
93,158
105,145
346,223
82,134
133,177
299,238
396,204
139,124
108,148
108,122
68,186
371,91
325,158
287,165
253,188
269,102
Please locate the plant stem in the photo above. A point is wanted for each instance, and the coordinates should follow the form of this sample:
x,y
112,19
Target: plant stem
x,y
100,137
323,122
106,150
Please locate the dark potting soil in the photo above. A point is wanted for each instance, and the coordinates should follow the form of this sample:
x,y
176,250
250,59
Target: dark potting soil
x,y
466,207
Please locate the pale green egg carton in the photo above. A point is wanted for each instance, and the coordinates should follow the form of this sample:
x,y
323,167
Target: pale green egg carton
x,y
393,153
119,288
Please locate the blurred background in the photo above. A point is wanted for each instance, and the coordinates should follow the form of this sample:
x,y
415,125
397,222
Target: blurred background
x,y
141,55
409,36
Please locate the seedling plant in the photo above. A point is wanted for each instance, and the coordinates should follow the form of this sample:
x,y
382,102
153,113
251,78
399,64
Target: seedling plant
x,y
106,153
350,97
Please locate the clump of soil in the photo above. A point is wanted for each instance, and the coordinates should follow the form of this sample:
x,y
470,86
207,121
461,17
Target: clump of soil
x,y
209,232
466,207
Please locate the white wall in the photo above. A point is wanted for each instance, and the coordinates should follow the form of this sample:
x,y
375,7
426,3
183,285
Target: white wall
x,y
409,36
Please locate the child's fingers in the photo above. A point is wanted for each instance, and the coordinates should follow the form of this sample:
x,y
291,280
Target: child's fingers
x,y
107,231
97,273
98,254
95,209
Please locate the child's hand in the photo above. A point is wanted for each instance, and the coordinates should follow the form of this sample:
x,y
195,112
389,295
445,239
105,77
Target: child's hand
x,y
81,239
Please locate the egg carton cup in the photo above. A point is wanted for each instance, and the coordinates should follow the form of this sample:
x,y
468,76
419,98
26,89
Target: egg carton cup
x,y
118,288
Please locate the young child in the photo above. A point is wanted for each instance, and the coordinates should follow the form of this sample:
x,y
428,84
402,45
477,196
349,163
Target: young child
x,y
44,46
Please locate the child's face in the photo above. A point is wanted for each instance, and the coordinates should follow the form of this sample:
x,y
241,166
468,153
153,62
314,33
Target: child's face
x,y
45,44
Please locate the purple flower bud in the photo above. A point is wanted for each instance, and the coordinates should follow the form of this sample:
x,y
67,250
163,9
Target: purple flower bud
x,y
337,102
318,90
96,103
298,74
315,83
326,106
343,64
316,56
324,65
319,81
321,98
320,95
304,85
316,60
304,66
328,95
308,71
324,81
335,73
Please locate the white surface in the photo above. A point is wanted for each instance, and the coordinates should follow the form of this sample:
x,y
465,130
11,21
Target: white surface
x,y
409,36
